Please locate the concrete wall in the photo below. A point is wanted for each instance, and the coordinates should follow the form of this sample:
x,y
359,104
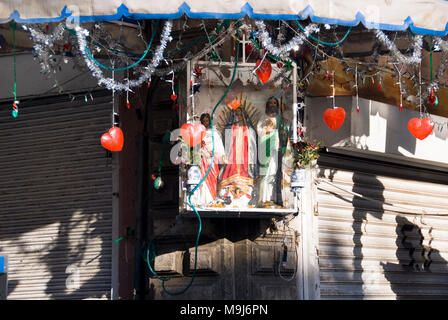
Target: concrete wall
x,y
31,83
378,127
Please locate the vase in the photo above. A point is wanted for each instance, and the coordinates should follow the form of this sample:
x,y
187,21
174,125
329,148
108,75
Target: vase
x,y
298,180
193,176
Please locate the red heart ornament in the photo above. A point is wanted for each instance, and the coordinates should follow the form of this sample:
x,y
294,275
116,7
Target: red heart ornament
x,y
193,134
420,128
334,117
113,140
264,71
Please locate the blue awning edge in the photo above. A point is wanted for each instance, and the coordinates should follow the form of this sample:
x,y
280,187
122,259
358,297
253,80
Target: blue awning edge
x,y
246,10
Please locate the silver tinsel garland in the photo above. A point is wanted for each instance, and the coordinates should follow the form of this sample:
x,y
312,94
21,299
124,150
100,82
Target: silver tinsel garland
x,y
43,38
281,51
149,70
434,85
417,48
43,50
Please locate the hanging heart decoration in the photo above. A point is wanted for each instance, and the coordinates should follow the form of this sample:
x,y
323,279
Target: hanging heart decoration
x,y
420,128
264,70
334,117
113,140
193,134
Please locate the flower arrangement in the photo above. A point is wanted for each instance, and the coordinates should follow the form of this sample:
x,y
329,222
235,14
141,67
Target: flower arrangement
x,y
306,152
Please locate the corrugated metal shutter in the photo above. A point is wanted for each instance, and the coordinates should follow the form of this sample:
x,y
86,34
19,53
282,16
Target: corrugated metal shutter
x,y
374,242
56,199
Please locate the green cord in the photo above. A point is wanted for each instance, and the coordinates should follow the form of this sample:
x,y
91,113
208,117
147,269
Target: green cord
x,y
132,65
195,188
15,110
13,26
130,54
187,46
323,42
430,54
119,239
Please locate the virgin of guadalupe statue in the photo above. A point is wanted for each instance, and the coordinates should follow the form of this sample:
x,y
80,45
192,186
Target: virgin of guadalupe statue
x,y
236,179
207,191
272,132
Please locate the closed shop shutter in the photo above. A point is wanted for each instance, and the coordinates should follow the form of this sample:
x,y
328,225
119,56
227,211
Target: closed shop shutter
x,y
383,229
56,199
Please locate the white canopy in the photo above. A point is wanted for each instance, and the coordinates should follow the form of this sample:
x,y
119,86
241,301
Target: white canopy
x,y
422,16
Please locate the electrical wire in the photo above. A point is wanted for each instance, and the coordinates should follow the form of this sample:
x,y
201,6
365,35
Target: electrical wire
x,y
324,42
130,66
148,260
295,267
424,213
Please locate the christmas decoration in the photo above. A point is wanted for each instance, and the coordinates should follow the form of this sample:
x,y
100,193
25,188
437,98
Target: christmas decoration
x,y
158,183
193,134
197,72
417,48
248,48
356,88
264,69
195,88
15,109
420,128
111,84
334,117
113,140
433,98
282,51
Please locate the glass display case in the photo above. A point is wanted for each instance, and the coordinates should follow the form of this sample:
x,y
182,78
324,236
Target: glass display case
x,y
237,142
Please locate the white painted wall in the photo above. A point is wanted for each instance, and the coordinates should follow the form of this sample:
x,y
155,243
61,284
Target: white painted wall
x,y
378,127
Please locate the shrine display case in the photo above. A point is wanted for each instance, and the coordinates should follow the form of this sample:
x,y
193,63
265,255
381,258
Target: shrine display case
x,y
254,128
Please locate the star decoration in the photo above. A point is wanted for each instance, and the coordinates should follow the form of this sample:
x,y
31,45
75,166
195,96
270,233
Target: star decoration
x,y
198,72
195,88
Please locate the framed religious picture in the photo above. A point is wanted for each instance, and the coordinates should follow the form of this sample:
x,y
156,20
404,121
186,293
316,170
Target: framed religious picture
x,y
236,133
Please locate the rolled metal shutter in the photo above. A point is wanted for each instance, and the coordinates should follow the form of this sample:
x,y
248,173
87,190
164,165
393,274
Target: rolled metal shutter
x,y
56,199
383,230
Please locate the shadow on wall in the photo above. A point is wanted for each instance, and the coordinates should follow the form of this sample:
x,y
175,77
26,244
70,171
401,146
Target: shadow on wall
x,y
364,186
362,208
421,271
84,271
418,261
56,200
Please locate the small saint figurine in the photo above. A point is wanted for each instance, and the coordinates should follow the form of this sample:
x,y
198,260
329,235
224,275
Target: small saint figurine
x,y
272,132
207,192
